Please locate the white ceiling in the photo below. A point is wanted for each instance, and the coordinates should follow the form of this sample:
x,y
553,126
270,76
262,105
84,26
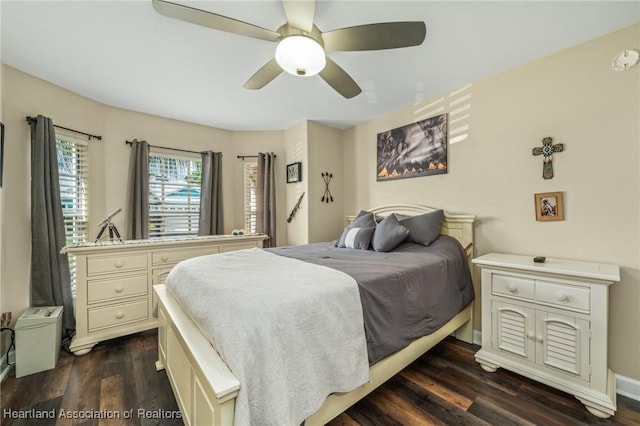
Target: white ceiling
x,y
125,54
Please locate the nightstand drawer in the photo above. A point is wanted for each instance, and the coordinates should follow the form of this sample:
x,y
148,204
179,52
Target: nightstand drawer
x,y
115,315
567,297
100,290
514,287
111,264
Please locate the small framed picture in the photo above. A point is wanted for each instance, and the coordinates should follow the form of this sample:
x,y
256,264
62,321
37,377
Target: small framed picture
x,y
294,172
549,206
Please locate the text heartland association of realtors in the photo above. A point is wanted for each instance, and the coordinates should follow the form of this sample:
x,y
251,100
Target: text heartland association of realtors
x,y
140,413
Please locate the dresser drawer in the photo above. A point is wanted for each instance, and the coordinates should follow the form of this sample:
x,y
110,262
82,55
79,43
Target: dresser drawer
x,y
511,286
125,262
168,257
100,290
567,297
240,246
113,316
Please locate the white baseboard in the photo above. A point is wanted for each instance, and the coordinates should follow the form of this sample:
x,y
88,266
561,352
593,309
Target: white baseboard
x,y
477,337
628,387
5,368
625,386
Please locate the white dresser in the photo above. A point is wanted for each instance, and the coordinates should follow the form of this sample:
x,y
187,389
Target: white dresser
x,y
114,281
548,321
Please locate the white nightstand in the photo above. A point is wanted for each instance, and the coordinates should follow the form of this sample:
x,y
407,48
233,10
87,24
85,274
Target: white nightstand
x,y
548,321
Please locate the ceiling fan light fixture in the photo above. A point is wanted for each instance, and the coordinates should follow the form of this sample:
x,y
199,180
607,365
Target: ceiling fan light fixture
x,y
300,55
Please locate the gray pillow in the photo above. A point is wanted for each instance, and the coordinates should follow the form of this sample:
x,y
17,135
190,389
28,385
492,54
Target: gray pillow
x,y
363,220
423,229
389,233
356,238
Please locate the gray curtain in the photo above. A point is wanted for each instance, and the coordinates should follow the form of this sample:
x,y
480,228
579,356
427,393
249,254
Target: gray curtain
x,y
138,195
50,276
266,198
211,217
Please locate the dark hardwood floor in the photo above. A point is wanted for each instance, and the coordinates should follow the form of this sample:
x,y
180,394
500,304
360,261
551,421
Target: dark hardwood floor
x,y
444,387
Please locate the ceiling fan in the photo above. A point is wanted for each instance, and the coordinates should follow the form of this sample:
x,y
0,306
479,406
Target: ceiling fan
x,y
301,45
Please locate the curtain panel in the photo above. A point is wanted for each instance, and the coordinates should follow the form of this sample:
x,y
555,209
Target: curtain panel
x,y
211,208
50,275
137,219
266,198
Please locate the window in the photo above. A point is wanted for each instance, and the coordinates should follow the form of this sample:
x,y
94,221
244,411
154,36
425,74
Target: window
x,y
73,170
174,195
250,185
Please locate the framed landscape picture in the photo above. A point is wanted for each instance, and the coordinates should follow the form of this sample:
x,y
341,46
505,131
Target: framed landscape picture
x,y
417,149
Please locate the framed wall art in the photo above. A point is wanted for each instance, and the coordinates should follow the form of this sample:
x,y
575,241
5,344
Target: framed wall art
x,y
294,172
417,149
549,206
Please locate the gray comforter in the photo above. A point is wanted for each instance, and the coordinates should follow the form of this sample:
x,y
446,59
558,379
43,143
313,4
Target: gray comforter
x,y
406,293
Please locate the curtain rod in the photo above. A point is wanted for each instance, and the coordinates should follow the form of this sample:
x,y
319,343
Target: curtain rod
x,y
171,149
88,135
242,157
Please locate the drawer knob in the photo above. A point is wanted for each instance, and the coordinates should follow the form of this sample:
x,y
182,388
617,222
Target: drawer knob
x,y
561,296
512,288
119,264
531,335
120,315
540,339
119,289
164,257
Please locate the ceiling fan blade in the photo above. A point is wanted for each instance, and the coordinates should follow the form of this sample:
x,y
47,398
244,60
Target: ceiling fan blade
x,y
212,20
263,76
300,13
387,35
338,78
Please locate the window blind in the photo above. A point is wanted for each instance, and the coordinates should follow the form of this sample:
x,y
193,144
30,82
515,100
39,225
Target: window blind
x,y
250,185
73,171
174,195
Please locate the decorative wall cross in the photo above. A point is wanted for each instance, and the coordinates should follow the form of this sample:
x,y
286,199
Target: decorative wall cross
x,y
547,149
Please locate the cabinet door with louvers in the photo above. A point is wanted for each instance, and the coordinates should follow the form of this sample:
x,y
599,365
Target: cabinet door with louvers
x,y
563,343
513,327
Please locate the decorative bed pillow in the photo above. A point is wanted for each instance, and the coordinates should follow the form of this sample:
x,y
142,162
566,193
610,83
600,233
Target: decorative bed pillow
x,y
423,229
364,219
389,233
356,238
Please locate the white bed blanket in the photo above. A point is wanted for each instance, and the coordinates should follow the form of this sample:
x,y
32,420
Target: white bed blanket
x,y
292,332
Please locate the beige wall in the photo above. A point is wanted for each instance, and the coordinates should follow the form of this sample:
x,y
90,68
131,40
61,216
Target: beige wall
x,y
296,149
572,96
326,220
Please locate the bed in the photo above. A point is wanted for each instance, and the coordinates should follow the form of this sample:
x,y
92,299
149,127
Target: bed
x,y
207,390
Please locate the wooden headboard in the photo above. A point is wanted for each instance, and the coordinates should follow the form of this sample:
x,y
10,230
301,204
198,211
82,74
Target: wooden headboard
x,y
455,225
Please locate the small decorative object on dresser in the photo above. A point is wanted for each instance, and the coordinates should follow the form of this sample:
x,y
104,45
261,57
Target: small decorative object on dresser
x,y
548,321
549,206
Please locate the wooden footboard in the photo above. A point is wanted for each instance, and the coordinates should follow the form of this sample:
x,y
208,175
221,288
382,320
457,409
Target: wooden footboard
x,y
205,388
203,385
